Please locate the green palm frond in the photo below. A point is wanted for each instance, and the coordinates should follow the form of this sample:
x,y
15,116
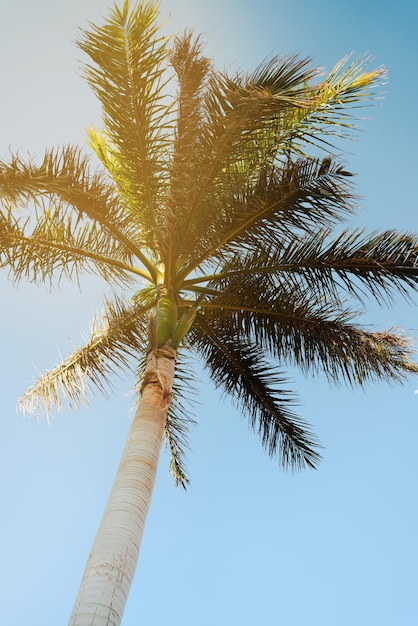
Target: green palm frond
x,y
301,196
307,194
180,421
192,70
350,82
362,264
254,120
356,263
116,344
52,243
127,54
235,109
270,142
64,177
246,103
315,336
256,387
65,173
329,115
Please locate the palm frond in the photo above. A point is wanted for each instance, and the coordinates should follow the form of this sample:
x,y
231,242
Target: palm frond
x,y
114,346
313,335
376,264
254,120
307,194
329,115
52,243
246,103
180,421
65,174
355,262
246,144
176,432
192,69
298,197
235,109
241,371
127,53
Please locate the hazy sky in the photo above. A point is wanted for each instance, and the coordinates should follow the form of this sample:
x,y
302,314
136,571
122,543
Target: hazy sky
x,y
247,544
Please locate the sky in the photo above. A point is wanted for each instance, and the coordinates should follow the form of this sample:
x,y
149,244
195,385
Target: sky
x,y
247,543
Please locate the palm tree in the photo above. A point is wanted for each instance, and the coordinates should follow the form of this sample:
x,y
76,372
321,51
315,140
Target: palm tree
x,y
213,214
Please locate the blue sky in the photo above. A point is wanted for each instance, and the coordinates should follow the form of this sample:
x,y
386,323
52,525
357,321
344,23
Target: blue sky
x,y
247,543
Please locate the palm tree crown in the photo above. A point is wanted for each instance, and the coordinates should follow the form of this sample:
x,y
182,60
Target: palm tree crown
x,y
217,207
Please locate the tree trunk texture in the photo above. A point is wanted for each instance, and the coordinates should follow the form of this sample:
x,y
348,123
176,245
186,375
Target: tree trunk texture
x,y
112,562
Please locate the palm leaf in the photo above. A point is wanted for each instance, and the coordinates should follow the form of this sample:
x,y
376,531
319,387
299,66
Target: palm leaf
x,y
253,120
113,347
306,195
311,334
234,109
179,422
241,370
300,196
192,70
356,263
329,115
65,178
376,264
126,75
51,244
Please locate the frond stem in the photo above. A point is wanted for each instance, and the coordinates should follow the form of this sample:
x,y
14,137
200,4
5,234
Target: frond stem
x,y
98,258
133,248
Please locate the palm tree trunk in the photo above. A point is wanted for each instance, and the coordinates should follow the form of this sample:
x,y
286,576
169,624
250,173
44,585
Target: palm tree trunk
x,y
111,565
